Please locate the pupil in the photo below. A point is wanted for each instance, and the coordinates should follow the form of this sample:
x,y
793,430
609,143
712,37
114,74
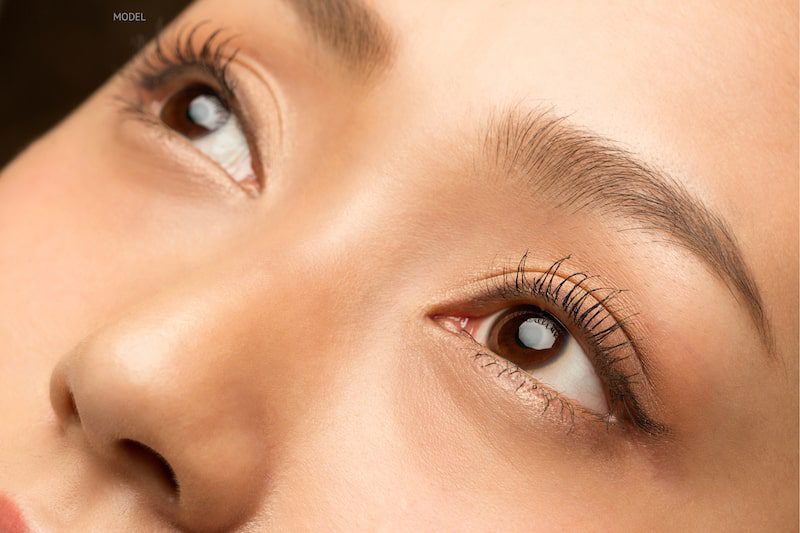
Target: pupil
x,y
199,111
207,111
527,337
532,334
194,111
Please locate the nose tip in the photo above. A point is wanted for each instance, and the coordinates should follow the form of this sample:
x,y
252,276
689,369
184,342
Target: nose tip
x,y
185,441
137,459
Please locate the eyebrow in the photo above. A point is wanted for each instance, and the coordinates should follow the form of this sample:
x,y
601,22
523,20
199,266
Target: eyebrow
x,y
582,170
350,28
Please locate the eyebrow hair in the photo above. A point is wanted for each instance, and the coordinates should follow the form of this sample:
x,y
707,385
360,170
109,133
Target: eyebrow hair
x,y
350,28
582,170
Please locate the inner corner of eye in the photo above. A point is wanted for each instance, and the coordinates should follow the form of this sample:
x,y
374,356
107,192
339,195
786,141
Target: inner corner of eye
x,y
454,324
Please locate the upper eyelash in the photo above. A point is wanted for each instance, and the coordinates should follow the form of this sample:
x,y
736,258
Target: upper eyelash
x,y
547,286
211,56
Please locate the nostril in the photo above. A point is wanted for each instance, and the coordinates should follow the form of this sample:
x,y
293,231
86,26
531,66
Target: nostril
x,y
73,408
62,398
145,458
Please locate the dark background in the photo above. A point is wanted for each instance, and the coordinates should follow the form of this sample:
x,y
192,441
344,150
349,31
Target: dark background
x,y
55,53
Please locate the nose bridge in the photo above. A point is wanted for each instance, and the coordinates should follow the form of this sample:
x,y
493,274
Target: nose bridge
x,y
184,378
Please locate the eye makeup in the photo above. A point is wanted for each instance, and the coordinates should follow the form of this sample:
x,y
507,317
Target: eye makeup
x,y
587,312
212,56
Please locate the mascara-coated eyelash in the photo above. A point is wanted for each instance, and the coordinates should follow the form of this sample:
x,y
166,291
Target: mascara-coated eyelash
x,y
212,58
586,311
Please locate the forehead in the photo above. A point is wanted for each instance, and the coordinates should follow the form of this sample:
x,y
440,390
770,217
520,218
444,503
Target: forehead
x,y
669,83
682,86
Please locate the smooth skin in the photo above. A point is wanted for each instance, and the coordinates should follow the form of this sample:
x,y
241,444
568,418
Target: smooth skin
x,y
280,351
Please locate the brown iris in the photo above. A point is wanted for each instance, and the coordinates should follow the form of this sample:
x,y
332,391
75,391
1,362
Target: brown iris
x,y
526,336
175,112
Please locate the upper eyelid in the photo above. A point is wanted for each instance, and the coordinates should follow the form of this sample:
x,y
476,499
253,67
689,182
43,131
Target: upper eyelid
x,y
184,50
542,285
550,283
217,53
247,85
154,64
520,284
489,319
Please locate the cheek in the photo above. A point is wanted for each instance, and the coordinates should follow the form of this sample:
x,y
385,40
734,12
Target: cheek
x,y
51,244
464,453
80,237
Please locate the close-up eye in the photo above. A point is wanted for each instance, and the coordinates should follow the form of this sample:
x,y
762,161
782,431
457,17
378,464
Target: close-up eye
x,y
185,85
537,343
201,115
559,335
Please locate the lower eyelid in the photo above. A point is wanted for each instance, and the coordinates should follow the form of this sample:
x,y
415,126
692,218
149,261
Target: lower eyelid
x,y
527,389
148,108
516,379
262,128
524,386
150,143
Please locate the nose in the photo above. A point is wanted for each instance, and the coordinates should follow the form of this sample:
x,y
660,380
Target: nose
x,y
165,397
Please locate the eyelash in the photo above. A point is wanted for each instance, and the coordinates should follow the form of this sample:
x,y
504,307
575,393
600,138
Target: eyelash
x,y
160,63
592,323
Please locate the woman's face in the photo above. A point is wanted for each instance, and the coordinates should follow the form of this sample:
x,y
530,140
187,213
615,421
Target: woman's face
x,y
345,266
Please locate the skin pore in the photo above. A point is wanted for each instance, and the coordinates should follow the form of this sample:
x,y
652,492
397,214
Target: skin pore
x,y
304,350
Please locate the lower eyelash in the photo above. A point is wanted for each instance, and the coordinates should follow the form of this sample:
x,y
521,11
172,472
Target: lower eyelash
x,y
523,385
